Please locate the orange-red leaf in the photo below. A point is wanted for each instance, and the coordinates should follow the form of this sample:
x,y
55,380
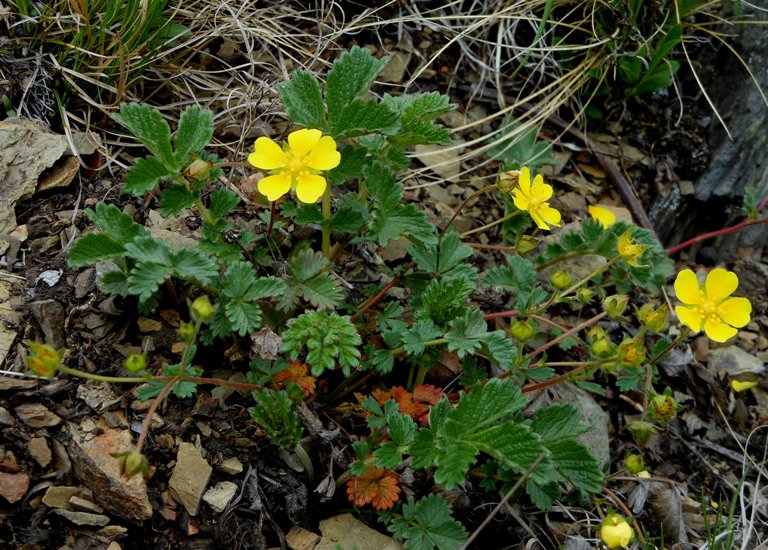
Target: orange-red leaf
x,y
377,486
415,404
297,373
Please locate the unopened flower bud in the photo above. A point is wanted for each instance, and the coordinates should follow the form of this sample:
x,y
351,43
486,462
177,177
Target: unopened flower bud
x,y
522,330
186,331
561,279
44,360
616,532
615,305
585,295
508,180
602,347
135,362
642,431
663,408
132,463
526,244
201,309
634,464
198,170
657,319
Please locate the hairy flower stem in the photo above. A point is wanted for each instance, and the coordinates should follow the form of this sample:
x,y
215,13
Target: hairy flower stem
x,y
272,214
712,234
151,412
578,284
492,224
429,343
649,368
326,245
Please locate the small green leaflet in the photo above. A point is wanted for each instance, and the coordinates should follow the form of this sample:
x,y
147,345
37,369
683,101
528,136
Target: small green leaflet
x,y
92,248
445,258
330,339
148,125
194,132
310,280
144,175
223,201
427,524
175,198
422,331
351,76
303,100
115,222
467,333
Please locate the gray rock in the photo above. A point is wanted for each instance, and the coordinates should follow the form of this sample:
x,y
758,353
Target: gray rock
x,y
734,362
60,496
36,415
593,415
40,451
6,418
346,531
50,315
220,495
83,518
231,466
189,478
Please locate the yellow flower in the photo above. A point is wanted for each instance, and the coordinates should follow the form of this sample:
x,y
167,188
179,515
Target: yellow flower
x,y
708,306
629,250
616,532
43,360
603,215
533,198
740,386
295,165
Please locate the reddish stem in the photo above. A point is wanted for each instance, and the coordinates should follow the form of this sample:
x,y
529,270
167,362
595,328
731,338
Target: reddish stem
x,y
719,232
492,247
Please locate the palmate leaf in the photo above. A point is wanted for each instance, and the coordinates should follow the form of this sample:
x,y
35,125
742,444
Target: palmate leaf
x,y
467,333
149,250
445,258
422,331
223,201
191,264
145,279
427,524
303,100
176,198
144,175
148,125
115,222
92,248
361,117
194,132
310,280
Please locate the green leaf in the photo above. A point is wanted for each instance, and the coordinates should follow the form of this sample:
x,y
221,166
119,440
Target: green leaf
x,y
191,264
115,222
145,279
351,76
347,220
244,316
401,427
361,117
330,339
388,455
238,280
501,349
303,100
520,147
144,176
416,118
467,333
148,125
115,282
443,299
194,132
310,281
421,331
175,199
149,250
275,415
518,278
446,258
351,165
94,247
223,201
427,524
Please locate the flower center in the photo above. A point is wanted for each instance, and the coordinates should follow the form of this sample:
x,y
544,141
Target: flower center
x,y
296,165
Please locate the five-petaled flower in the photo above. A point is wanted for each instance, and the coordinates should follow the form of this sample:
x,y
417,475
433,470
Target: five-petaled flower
x,y
603,215
709,306
616,532
533,197
629,250
296,165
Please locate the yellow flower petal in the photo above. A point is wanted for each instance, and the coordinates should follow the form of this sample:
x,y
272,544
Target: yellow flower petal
x,y
735,311
687,287
541,190
274,187
520,200
302,141
550,215
525,182
537,219
267,155
718,331
721,284
690,317
324,155
740,386
310,188
603,215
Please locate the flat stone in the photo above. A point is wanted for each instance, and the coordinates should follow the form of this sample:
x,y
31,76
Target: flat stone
x,y
60,496
98,470
443,161
13,487
6,418
346,531
17,382
97,395
40,451
394,70
83,505
50,315
220,495
83,518
36,415
734,362
189,478
299,538
230,466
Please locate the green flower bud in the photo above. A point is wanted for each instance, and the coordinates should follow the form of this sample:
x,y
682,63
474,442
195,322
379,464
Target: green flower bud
x,y
507,181
132,463
186,331
202,310
135,362
561,279
631,352
602,347
522,330
634,464
656,321
615,305
585,295
663,408
198,170
642,431
526,244
43,360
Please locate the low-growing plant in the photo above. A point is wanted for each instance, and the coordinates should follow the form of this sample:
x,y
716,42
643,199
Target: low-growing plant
x,y
236,284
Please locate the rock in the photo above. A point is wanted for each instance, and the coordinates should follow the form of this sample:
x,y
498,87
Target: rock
x,y
17,383
301,539
189,478
593,415
394,71
83,505
6,418
36,415
40,451
220,495
444,161
83,518
50,315
13,487
98,470
230,466
734,362
85,282
97,395
346,531
60,496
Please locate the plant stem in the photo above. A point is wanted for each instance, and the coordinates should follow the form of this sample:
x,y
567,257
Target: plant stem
x,y
649,369
326,244
712,234
493,223
429,343
464,204
272,213
566,334
151,412
499,247
102,378
555,261
588,278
